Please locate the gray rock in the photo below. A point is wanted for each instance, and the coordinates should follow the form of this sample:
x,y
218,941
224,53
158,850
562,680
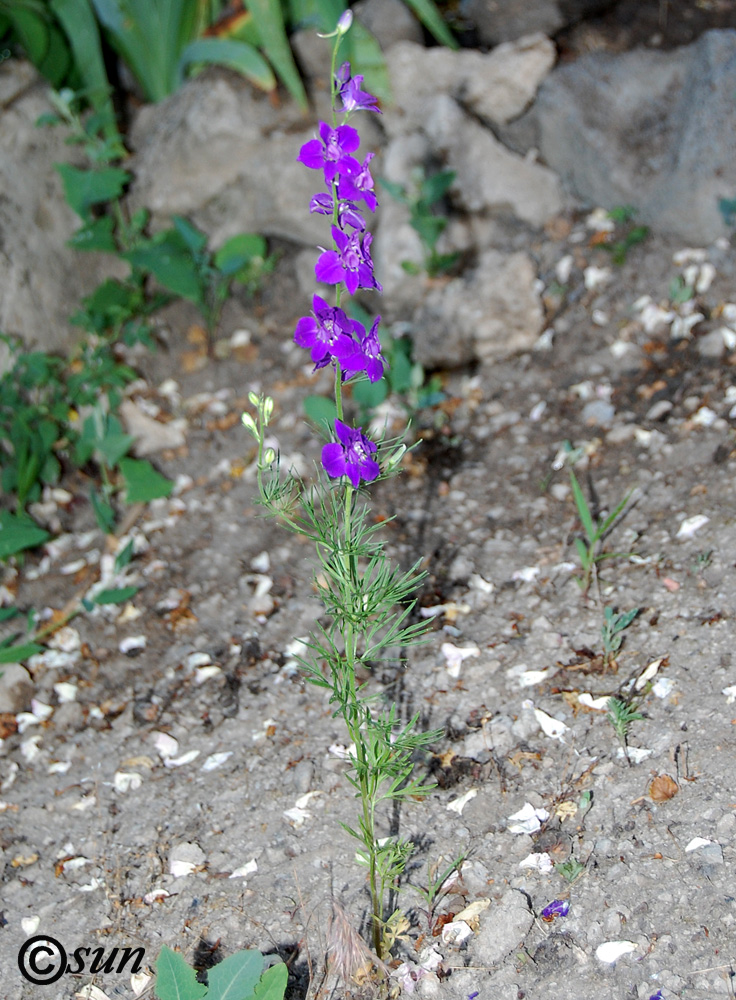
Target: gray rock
x,y
389,21
498,86
16,688
653,129
492,314
503,20
503,928
42,279
489,177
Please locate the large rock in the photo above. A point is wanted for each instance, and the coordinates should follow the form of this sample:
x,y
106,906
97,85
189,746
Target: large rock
x,y
656,130
503,928
504,20
493,313
42,279
497,86
224,155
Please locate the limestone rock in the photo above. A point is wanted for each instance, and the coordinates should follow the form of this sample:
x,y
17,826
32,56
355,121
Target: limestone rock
x,y
503,20
16,688
493,314
656,130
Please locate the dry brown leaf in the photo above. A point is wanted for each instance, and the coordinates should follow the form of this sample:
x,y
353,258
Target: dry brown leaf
x,y
662,788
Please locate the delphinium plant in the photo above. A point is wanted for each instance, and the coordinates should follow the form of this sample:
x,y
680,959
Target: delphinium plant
x,y
368,602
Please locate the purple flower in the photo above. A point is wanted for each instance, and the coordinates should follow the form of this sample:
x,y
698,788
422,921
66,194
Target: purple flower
x,y
351,455
351,262
349,92
367,355
356,181
328,333
557,908
347,213
656,996
330,153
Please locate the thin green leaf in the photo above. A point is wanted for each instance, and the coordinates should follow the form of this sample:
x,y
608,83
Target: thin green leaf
x,y
608,523
429,15
80,25
104,514
269,21
583,510
175,979
236,55
118,596
143,482
7,613
16,654
236,977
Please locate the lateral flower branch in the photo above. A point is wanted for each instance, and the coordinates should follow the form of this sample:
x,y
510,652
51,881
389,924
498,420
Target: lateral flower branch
x,y
368,601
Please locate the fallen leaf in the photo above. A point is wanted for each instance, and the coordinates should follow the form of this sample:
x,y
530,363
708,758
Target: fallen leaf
x,y
662,788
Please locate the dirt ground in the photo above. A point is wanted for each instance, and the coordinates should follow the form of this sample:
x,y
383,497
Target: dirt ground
x,y
114,836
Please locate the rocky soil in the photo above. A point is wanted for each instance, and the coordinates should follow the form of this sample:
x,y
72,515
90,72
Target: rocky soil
x,y
167,776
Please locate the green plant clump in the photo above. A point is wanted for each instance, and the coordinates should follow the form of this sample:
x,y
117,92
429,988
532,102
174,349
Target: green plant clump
x,y
238,977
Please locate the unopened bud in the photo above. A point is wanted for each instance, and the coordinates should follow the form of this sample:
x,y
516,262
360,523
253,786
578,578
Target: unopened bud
x,y
393,460
269,456
249,423
253,398
346,19
267,409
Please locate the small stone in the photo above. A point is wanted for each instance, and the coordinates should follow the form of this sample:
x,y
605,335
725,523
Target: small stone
x,y
16,688
502,929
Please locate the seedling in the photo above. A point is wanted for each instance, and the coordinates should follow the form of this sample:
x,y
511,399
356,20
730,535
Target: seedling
x,y
421,197
612,631
623,216
621,714
240,977
438,885
571,870
596,530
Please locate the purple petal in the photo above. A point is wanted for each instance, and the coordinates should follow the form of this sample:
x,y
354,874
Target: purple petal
x,y
321,203
312,154
306,332
344,433
352,281
348,137
333,459
329,268
557,908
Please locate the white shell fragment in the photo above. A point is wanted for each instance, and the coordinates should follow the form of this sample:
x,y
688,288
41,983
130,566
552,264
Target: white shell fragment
x,y
215,760
133,645
692,524
696,843
204,673
127,781
596,704
527,819
730,693
635,754
186,758
455,933
185,859
610,951
454,656
166,745
540,862
554,728
245,870
457,805
30,925
139,982
648,673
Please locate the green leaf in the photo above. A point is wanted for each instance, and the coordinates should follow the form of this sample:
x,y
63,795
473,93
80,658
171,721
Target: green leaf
x,y
236,977
122,559
104,514
273,983
16,654
236,55
194,238
238,251
175,979
19,532
369,395
96,235
321,411
115,444
583,510
85,188
436,186
168,259
7,613
143,482
268,18
116,596
80,26
431,18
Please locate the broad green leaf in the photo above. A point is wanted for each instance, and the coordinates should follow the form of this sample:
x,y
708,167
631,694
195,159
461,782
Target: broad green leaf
x,y
236,55
33,33
115,443
273,983
436,186
236,977
194,238
57,62
171,265
321,411
116,596
146,33
16,654
142,481
429,15
175,979
96,235
268,18
239,251
85,188
19,532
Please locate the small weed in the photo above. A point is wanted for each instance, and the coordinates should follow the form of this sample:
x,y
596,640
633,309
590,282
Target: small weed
x,y
702,561
595,530
437,886
680,292
422,197
612,631
621,714
571,870
623,216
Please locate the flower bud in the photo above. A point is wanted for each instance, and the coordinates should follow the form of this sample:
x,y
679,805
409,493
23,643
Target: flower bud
x,y
249,423
267,409
393,460
253,398
346,19
269,456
